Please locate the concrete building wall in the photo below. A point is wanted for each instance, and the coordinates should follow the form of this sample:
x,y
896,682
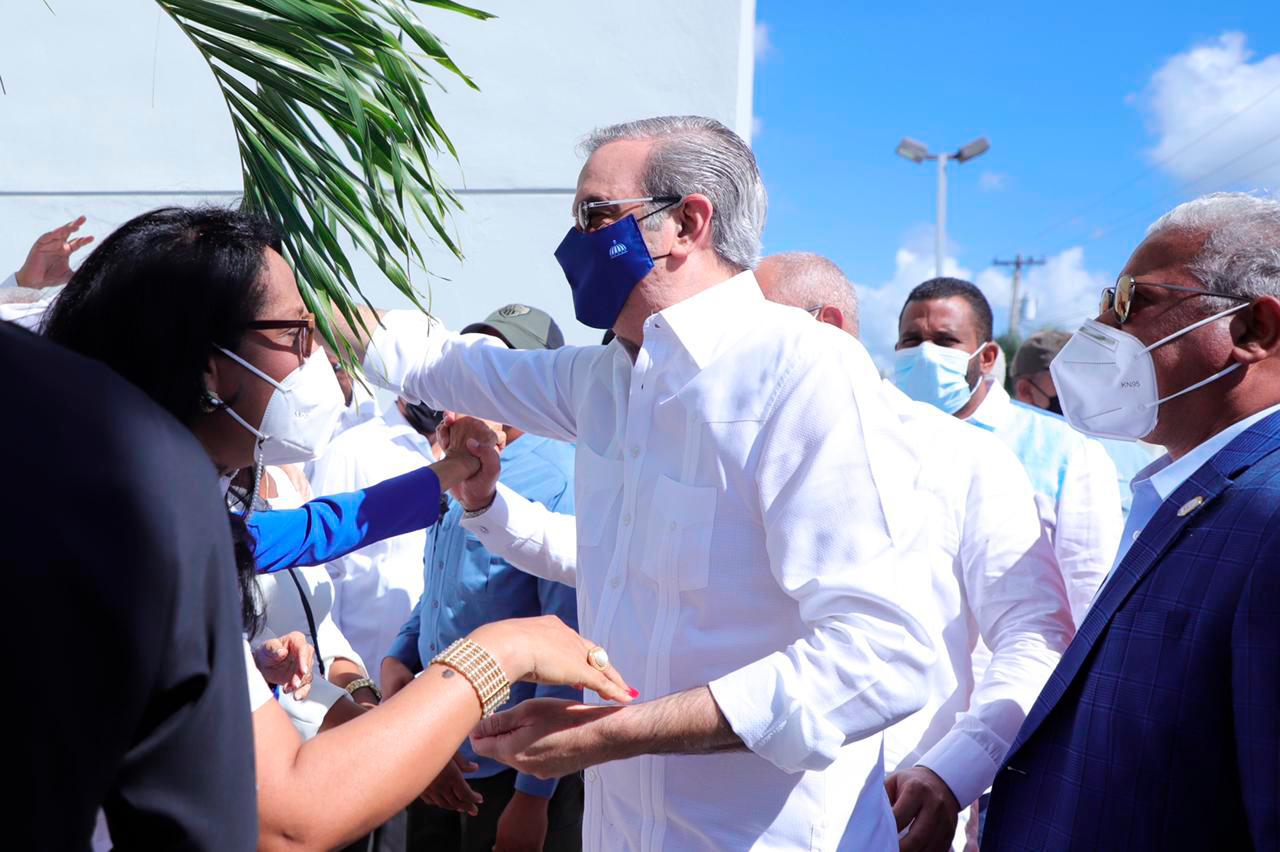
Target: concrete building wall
x,y
108,105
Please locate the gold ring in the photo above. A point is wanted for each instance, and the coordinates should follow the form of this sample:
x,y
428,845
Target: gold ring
x,y
598,658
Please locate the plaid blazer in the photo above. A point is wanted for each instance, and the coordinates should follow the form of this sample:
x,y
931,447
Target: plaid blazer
x,y
1160,727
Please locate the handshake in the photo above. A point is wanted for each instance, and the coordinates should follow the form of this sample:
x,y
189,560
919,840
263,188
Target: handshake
x,y
471,450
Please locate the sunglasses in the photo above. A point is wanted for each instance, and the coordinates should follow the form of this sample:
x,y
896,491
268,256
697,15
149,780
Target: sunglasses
x,y
582,215
306,325
1120,297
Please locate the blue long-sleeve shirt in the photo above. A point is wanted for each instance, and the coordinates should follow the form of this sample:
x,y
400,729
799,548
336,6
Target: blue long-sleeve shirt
x,y
330,527
466,586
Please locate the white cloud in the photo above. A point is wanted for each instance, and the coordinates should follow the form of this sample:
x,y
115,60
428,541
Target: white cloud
x,y
1199,91
1064,291
990,181
763,45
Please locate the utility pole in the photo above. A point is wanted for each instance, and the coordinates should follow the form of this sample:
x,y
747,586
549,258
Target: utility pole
x,y
1017,263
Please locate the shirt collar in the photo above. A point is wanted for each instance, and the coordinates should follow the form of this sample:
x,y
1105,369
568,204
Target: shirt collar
x,y
704,323
1164,475
994,412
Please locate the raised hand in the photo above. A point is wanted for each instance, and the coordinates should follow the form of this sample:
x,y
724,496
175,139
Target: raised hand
x,y
288,662
48,262
476,492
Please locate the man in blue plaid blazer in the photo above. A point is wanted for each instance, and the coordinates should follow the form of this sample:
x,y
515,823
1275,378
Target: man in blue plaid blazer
x,y
1160,728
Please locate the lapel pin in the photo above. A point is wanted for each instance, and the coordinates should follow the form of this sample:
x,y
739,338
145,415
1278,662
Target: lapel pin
x,y
1190,506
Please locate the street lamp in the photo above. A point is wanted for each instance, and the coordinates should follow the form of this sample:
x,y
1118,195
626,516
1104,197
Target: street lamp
x,y
918,152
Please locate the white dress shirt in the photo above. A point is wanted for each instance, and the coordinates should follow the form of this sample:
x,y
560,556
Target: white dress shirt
x,y
377,586
745,521
994,580
1076,489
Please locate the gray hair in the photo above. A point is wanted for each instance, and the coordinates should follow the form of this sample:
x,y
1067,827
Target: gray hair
x,y
805,279
700,155
1241,252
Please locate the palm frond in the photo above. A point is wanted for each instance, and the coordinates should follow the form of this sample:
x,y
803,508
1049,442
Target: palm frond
x,y
336,134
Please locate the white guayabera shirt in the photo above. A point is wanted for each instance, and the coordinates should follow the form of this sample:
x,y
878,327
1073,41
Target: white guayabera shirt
x,y
744,520
994,581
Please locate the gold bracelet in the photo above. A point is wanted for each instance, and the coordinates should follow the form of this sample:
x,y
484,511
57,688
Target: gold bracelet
x,y
481,670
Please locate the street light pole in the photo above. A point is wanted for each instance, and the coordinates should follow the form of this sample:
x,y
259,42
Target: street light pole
x,y
918,152
940,219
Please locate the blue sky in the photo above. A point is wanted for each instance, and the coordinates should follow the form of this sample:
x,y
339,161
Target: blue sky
x,y
1100,116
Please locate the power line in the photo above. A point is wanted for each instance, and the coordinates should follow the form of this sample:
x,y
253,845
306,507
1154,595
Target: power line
x,y
1156,164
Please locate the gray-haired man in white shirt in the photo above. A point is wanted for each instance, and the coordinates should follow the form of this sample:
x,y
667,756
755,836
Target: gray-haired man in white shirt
x,y
747,538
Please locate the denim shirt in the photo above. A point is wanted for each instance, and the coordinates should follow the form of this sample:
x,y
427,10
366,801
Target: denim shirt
x,y
465,586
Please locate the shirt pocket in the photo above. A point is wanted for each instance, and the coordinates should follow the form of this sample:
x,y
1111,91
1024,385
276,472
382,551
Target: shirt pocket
x,y
597,488
678,548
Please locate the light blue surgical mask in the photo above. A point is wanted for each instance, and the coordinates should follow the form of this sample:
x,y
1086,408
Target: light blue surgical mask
x,y
935,374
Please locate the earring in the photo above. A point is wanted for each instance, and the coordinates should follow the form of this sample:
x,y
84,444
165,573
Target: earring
x,y
209,402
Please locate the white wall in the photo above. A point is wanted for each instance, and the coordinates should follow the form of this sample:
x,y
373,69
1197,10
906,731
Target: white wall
x,y
110,97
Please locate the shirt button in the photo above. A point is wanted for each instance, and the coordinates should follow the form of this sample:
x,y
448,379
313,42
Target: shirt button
x,y
616,582
626,520
440,565
591,775
635,452
433,646
435,604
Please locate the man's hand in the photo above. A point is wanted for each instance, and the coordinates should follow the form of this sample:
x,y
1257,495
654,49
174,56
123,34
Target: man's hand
x,y
477,492
288,662
48,262
923,800
523,824
547,737
450,789
395,676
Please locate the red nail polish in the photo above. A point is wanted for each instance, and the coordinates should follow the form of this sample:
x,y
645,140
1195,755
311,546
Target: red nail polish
x,y
635,693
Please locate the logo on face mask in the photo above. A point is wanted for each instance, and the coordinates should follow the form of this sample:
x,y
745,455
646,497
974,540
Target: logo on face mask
x,y
600,286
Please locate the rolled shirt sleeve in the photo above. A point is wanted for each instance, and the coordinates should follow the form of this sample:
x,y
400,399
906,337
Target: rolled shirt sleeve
x,y
831,448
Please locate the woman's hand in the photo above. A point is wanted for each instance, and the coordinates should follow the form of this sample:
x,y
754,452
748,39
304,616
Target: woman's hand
x,y
287,661
545,650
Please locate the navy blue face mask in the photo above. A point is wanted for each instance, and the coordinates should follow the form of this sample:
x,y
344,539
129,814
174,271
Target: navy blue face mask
x,y
602,268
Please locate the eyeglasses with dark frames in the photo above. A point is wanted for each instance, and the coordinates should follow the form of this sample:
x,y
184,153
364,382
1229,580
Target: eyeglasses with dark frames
x,y
306,324
1120,297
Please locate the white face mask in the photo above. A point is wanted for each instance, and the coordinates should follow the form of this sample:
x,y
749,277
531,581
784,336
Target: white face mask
x,y
1106,380
301,414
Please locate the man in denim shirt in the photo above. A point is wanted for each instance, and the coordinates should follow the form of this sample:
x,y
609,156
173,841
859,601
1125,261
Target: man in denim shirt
x,y
464,587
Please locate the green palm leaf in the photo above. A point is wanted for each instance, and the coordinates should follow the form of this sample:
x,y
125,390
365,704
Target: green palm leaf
x,y
336,134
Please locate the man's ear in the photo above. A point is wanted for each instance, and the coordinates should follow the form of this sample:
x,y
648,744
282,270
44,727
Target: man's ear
x,y
832,315
693,225
1255,331
987,360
